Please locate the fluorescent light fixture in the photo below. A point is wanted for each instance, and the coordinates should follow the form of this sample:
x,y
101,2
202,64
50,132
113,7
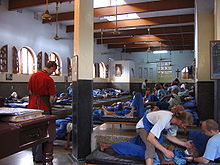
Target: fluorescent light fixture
x,y
122,17
105,3
160,51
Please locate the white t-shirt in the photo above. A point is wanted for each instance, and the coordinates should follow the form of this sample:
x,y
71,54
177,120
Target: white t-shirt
x,y
160,120
174,101
144,85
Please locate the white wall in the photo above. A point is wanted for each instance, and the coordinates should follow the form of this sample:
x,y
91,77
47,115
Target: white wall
x,y
180,59
107,54
21,29
125,76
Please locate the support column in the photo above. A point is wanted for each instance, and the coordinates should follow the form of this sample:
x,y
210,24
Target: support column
x,y
82,87
204,33
217,82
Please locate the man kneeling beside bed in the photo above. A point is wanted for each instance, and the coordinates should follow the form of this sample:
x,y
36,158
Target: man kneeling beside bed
x,y
152,126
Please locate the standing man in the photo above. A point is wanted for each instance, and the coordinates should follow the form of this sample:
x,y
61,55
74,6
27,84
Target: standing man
x,y
144,87
42,93
212,151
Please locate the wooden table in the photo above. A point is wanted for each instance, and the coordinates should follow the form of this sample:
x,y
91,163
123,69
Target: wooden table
x,y
15,137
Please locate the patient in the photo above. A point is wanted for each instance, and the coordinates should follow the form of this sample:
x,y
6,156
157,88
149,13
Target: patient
x,y
137,108
135,149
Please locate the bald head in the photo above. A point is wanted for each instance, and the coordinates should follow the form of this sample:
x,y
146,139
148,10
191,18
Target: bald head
x,y
210,127
210,124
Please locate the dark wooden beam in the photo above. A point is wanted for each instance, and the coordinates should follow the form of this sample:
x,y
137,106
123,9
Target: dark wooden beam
x,y
130,50
152,44
146,38
146,21
20,4
61,17
153,31
133,8
188,18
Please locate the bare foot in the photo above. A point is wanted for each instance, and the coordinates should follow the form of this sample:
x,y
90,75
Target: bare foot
x,y
103,146
155,108
130,114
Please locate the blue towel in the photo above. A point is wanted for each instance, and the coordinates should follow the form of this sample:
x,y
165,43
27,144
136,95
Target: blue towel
x,y
128,148
199,140
138,104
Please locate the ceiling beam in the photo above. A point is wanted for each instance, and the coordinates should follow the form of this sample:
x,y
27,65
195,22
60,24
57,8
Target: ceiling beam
x,y
146,38
61,17
20,4
144,7
151,44
141,22
131,8
153,31
130,50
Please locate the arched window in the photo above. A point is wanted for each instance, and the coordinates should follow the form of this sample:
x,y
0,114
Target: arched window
x,y
4,59
55,57
39,61
102,70
140,72
69,66
97,72
187,72
27,61
93,74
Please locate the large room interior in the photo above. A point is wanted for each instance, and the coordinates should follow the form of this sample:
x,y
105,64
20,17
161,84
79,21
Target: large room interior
x,y
104,44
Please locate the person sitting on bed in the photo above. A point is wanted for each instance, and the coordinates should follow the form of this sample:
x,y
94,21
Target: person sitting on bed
x,y
70,90
150,129
174,99
165,87
137,105
212,151
159,91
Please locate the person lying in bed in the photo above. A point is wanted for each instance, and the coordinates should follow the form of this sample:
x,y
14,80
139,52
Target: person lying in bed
x,y
137,107
119,107
137,148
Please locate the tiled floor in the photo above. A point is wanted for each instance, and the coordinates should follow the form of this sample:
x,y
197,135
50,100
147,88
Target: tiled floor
x,y
62,156
104,132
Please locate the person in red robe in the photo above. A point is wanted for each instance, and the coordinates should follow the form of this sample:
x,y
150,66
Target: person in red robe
x,y
41,94
41,88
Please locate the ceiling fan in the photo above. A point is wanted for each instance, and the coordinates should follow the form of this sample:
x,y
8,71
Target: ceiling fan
x,y
46,15
171,64
116,31
101,52
102,44
56,37
148,49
